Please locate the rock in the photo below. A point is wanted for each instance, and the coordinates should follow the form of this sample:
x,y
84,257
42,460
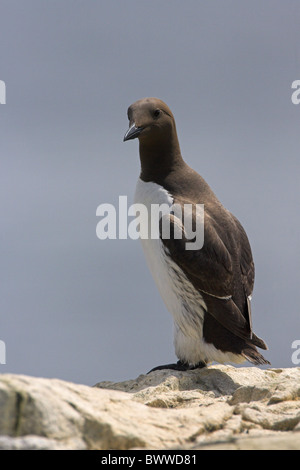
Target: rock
x,y
32,443
219,407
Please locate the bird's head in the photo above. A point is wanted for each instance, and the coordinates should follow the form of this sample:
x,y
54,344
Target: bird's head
x,y
150,119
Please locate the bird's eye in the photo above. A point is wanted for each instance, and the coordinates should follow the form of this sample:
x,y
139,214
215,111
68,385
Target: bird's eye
x,y
156,113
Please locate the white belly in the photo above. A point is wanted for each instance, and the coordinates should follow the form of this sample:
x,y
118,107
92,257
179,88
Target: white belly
x,y
180,297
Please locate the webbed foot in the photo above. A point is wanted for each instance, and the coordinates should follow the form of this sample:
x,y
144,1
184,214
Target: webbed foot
x,y
179,365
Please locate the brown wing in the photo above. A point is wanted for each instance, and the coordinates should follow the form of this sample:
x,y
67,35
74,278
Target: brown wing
x,y
212,270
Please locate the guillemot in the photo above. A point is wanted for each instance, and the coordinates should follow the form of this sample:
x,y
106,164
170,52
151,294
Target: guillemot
x,y
208,291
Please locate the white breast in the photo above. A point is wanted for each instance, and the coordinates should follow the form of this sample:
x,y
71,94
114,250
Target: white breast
x,y
180,297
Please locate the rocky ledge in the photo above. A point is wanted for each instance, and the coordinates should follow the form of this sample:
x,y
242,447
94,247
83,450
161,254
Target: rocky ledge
x,y
219,407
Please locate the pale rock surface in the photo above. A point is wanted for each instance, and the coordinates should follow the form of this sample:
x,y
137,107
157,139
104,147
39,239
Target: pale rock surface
x,y
219,407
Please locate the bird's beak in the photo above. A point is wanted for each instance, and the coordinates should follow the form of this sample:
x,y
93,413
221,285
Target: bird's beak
x,y
132,132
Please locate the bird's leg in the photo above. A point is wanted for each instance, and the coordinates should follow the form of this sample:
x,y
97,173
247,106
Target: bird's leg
x,y
179,365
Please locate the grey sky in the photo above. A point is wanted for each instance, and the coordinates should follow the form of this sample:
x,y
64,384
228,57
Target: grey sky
x,y
85,310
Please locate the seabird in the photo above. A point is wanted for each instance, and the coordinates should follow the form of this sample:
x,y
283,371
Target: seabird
x,y
208,290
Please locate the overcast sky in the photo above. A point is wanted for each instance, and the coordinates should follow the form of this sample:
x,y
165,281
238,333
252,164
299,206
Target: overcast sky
x,y
83,309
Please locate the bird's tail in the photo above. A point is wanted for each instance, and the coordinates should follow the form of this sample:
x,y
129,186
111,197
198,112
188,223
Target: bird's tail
x,y
250,352
252,355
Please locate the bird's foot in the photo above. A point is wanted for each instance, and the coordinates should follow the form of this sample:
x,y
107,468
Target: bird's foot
x,y
179,365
